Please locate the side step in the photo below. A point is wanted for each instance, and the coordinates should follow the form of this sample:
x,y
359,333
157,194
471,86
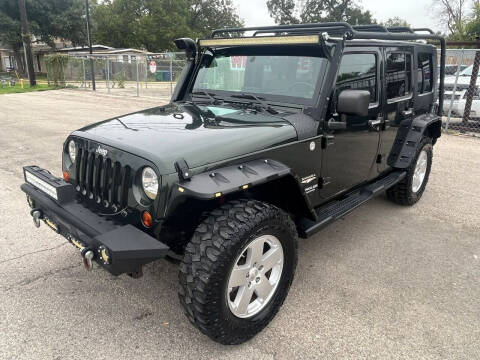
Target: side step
x,y
330,213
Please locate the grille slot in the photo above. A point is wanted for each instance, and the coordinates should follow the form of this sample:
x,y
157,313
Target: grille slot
x,y
102,179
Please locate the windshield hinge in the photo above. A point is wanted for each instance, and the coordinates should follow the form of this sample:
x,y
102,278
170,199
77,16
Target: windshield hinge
x,y
182,169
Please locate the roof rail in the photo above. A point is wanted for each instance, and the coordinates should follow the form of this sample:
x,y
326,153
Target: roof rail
x,y
372,28
400,29
349,32
308,30
286,28
424,30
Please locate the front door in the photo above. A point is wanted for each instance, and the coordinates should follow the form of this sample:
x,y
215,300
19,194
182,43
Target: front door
x,y
350,153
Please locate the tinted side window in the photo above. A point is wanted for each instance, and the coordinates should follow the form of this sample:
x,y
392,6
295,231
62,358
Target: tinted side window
x,y
359,72
398,75
424,73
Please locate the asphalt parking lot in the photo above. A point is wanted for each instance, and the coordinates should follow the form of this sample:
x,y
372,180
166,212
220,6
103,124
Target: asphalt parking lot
x,y
385,282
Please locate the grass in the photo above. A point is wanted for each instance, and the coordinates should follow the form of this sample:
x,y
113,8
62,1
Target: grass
x,y
6,89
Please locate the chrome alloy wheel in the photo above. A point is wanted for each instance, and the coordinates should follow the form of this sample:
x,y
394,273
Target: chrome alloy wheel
x,y
420,171
255,276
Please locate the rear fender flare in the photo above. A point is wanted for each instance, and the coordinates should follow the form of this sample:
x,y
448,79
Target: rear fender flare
x,y
409,136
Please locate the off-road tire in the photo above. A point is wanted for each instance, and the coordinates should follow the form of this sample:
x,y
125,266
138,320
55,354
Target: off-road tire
x,y
402,192
210,256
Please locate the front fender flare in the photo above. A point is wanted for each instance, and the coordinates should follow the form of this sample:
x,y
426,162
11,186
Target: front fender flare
x,y
235,178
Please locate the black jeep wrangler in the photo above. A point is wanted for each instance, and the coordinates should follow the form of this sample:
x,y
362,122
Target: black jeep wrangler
x,y
272,133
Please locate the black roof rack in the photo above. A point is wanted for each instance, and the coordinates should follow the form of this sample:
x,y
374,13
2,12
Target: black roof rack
x,y
349,32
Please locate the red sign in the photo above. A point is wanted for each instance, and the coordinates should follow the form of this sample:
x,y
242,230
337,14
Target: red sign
x,y
239,62
153,67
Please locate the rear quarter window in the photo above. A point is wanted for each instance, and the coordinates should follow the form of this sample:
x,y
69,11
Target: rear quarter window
x,y
424,73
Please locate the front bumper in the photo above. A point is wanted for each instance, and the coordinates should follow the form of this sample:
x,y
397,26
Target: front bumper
x,y
117,247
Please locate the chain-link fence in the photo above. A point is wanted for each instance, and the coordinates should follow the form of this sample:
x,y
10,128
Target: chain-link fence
x,y
130,74
461,108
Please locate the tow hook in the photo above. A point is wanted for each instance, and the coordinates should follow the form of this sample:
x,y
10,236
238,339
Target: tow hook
x,y
88,256
36,216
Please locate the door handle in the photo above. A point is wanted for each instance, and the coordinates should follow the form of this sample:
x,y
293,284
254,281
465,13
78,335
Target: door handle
x,y
407,113
336,125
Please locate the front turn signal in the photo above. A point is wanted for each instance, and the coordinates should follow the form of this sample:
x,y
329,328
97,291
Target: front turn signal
x,y
147,219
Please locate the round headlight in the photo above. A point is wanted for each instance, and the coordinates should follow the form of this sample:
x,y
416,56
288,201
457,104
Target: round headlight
x,y
150,182
72,150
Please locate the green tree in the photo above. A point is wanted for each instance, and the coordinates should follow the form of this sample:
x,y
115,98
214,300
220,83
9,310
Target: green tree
x,y
48,19
283,12
207,15
452,15
396,21
152,24
472,27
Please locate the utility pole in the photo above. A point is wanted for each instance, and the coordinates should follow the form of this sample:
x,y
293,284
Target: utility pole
x,y
87,10
26,42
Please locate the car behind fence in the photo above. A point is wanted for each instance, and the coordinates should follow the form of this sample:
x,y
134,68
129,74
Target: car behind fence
x,y
461,107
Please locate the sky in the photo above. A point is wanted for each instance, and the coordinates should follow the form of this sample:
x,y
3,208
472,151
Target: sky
x,y
416,12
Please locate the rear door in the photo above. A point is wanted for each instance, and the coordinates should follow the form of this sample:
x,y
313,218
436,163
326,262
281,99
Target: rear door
x,y
350,153
398,97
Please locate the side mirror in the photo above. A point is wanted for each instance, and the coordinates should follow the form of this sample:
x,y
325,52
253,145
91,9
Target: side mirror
x,y
353,102
188,45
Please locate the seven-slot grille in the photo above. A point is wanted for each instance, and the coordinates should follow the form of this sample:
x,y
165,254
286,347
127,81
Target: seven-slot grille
x,y
101,179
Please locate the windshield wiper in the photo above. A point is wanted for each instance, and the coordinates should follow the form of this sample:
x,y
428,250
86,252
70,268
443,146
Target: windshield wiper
x,y
258,99
210,96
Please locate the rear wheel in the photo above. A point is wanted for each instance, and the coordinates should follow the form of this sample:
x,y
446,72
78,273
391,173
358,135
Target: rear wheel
x,y
237,270
411,188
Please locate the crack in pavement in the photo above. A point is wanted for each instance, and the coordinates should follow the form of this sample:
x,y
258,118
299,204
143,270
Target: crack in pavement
x,y
39,277
32,253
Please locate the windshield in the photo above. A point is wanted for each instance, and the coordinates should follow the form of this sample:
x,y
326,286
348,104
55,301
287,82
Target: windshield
x,y
284,78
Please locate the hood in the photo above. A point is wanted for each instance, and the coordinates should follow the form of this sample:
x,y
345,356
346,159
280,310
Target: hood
x,y
199,134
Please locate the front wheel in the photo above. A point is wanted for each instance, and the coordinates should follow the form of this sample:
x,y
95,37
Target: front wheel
x,y
411,188
237,270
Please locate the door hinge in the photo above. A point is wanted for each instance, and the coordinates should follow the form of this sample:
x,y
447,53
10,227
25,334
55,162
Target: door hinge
x,y
324,181
327,140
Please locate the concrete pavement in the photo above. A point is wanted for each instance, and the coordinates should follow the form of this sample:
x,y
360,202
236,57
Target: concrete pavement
x,y
385,282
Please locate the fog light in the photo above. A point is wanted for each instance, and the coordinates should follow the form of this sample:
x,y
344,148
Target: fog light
x,y
147,219
66,176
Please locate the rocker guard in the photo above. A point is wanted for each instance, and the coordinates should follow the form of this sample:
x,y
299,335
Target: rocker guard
x,y
128,248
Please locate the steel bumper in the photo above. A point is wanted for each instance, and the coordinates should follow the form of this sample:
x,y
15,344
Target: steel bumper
x,y
117,247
